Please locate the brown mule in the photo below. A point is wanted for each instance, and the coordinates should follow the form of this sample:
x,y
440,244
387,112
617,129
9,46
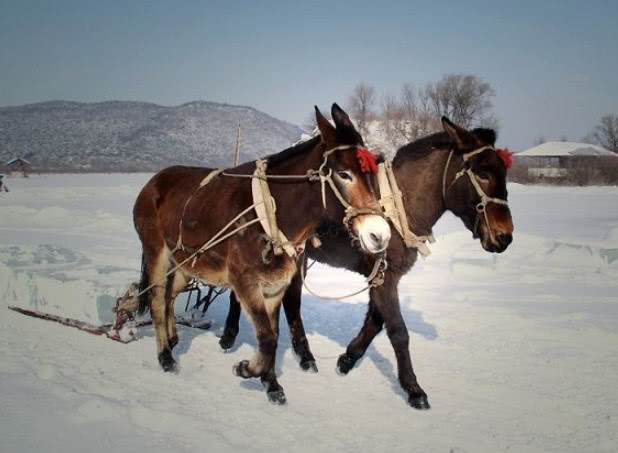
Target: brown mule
x,y
175,214
455,170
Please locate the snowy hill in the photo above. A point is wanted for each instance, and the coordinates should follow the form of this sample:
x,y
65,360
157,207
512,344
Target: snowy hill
x,y
122,135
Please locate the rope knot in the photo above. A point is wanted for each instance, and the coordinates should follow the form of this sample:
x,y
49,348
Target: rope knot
x,y
313,175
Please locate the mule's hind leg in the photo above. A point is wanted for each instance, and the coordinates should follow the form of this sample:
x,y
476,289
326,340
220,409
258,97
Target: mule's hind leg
x,y
158,264
264,312
176,282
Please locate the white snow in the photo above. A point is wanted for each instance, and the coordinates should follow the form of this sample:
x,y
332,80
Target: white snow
x,y
517,352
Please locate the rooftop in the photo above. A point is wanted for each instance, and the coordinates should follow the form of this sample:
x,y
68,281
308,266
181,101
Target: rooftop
x,y
565,149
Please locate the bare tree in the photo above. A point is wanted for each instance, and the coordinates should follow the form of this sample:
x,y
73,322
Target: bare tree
x,y
391,112
606,133
464,98
409,117
361,105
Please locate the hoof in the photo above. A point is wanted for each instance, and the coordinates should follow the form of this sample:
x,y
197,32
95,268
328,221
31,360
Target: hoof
x,y
167,361
419,402
173,341
227,341
241,369
276,397
344,364
309,365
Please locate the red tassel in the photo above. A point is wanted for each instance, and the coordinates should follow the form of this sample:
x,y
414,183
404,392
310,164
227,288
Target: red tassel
x,y
506,156
367,161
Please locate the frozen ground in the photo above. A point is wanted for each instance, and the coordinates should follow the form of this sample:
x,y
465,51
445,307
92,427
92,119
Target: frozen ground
x,y
518,352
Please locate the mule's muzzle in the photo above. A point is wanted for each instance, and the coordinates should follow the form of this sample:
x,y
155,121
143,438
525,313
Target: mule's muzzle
x,y
373,232
499,245
504,240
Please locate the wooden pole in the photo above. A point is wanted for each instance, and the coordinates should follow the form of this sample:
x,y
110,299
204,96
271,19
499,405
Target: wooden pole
x,y
237,156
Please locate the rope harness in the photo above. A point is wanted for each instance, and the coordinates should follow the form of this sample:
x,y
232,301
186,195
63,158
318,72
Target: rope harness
x,y
391,200
265,208
481,207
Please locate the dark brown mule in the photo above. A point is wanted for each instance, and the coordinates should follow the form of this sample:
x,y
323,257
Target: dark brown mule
x,y
245,261
430,186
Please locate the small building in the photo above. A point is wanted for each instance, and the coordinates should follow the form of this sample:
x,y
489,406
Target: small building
x,y
553,159
18,168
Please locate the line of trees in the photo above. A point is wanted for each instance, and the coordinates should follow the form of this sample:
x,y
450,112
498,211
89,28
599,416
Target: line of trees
x,y
464,98
416,111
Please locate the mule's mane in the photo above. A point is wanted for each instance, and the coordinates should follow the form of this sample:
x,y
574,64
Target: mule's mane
x,y
422,147
292,151
437,141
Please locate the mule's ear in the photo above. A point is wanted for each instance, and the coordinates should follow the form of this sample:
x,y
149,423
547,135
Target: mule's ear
x,y
340,117
328,132
463,139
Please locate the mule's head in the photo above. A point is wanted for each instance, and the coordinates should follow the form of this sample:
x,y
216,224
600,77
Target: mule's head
x,y
474,186
352,169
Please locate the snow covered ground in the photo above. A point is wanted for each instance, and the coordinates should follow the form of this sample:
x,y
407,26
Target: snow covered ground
x,y
517,352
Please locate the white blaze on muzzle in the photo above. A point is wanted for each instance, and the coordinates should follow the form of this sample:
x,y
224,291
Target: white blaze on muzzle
x,y
371,224
373,232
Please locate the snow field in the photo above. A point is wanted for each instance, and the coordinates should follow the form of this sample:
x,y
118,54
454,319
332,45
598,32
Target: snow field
x,y
517,352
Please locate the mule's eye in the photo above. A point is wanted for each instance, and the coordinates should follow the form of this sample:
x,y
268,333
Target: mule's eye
x,y
345,175
484,175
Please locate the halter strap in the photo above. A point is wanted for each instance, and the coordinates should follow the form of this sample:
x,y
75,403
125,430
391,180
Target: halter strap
x,y
481,207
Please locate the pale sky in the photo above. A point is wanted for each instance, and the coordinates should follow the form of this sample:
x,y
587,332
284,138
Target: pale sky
x,y
553,64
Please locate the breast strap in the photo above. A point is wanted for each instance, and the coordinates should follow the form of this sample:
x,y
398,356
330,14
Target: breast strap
x,y
391,200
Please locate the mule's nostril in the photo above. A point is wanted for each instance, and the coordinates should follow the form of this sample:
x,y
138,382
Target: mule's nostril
x,y
375,238
505,239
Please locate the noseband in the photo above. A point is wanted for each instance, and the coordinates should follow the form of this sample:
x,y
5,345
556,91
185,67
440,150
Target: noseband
x,y
351,212
481,207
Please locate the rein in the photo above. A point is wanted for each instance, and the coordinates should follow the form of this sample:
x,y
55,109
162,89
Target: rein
x,y
481,207
375,279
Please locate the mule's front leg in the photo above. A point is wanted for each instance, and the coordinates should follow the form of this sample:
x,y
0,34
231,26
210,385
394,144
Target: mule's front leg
x,y
231,323
264,313
358,346
291,306
386,307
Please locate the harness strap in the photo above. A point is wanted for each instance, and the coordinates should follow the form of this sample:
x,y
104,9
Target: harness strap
x,y
265,209
391,200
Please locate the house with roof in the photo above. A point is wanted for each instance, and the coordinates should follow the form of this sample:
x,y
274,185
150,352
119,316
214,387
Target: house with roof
x,y
18,167
553,159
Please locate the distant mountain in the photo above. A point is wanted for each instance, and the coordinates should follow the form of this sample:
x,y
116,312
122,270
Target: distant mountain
x,y
137,136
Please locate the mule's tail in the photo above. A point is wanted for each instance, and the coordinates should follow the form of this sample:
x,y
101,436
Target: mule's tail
x,y
143,284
